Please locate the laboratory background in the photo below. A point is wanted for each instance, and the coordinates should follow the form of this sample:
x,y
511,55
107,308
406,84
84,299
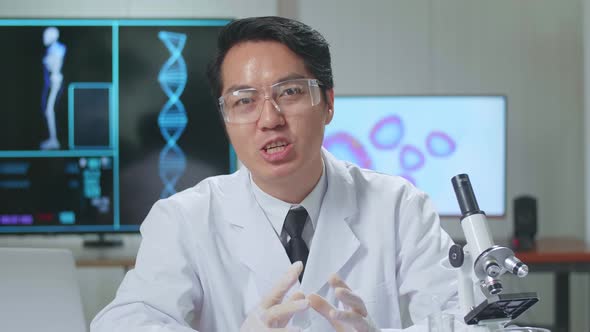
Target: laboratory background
x,y
106,109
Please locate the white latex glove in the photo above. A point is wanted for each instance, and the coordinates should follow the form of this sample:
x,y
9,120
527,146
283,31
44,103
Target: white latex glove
x,y
354,320
273,314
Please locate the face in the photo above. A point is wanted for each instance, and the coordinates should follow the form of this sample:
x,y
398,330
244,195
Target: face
x,y
299,136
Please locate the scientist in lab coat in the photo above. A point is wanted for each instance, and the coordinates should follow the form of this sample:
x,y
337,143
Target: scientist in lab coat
x,y
295,239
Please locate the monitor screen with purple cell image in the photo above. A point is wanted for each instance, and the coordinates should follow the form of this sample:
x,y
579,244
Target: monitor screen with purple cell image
x,y
427,140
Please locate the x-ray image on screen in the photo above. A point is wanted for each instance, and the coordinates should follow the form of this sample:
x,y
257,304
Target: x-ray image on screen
x,y
427,140
53,79
41,65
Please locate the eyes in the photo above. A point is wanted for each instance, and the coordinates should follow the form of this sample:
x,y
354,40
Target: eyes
x,y
243,101
284,94
291,91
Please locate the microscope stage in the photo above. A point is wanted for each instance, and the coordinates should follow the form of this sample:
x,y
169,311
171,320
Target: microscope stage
x,y
501,306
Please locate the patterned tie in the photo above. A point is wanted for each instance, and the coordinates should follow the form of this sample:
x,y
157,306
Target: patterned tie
x,y
296,248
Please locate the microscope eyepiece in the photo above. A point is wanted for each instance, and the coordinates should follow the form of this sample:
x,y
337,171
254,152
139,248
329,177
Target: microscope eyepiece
x,y
465,196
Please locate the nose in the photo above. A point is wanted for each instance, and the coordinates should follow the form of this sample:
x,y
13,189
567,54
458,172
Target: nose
x,y
270,115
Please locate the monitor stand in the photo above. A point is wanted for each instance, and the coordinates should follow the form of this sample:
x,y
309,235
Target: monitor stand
x,y
103,242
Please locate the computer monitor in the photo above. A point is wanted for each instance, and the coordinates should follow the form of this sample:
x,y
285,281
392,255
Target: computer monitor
x,y
427,140
101,118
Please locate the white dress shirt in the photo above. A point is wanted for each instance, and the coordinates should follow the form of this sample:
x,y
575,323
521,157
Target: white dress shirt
x,y
276,210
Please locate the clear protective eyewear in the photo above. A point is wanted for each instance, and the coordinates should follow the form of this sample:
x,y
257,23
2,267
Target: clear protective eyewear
x,y
288,97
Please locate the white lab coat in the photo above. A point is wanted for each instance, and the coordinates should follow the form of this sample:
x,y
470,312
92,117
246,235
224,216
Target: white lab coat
x,y
208,255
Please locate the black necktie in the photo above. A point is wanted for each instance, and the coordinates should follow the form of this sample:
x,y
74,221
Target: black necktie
x,y
296,248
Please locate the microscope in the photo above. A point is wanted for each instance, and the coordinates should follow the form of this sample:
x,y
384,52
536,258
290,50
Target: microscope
x,y
480,262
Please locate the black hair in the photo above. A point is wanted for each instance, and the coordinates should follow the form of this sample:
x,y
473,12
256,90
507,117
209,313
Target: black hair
x,y
300,38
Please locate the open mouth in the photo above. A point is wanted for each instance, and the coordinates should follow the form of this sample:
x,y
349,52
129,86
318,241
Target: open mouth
x,y
275,147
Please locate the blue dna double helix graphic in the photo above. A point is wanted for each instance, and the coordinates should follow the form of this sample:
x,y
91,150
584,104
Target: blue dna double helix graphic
x,y
172,119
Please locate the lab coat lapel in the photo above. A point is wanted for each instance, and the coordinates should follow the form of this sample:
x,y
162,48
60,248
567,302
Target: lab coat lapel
x,y
334,242
258,246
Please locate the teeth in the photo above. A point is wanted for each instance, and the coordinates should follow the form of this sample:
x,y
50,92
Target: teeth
x,y
275,149
275,144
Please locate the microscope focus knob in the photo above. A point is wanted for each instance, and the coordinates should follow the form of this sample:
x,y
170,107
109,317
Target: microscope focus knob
x,y
456,255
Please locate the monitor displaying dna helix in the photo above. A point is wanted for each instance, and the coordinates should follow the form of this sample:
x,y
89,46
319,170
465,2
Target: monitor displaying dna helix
x,y
101,118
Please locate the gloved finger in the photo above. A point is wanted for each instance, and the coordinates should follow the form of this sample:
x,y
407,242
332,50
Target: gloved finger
x,y
351,318
296,296
352,300
322,306
335,281
285,329
282,286
280,314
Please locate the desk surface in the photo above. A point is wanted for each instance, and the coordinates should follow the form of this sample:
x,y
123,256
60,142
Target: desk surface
x,y
556,250
105,262
122,256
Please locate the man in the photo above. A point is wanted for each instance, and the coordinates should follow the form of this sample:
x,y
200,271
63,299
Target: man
x,y
229,253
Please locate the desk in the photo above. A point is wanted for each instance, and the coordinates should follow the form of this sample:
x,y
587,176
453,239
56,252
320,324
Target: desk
x,y
126,263
560,256
122,256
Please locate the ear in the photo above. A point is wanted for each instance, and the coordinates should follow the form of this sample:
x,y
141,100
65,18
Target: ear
x,y
329,106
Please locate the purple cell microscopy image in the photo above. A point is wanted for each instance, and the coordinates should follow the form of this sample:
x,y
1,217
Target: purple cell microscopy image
x,y
440,144
345,146
411,158
387,133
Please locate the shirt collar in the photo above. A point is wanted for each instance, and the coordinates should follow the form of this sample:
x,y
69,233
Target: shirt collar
x,y
276,210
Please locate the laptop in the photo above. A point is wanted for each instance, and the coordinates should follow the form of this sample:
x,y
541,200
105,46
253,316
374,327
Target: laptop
x,y
39,291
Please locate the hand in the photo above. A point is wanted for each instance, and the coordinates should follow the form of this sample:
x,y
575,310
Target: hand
x,y
354,320
272,314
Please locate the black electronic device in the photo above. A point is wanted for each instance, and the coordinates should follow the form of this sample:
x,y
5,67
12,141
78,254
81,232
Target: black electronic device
x,y
525,222
103,117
